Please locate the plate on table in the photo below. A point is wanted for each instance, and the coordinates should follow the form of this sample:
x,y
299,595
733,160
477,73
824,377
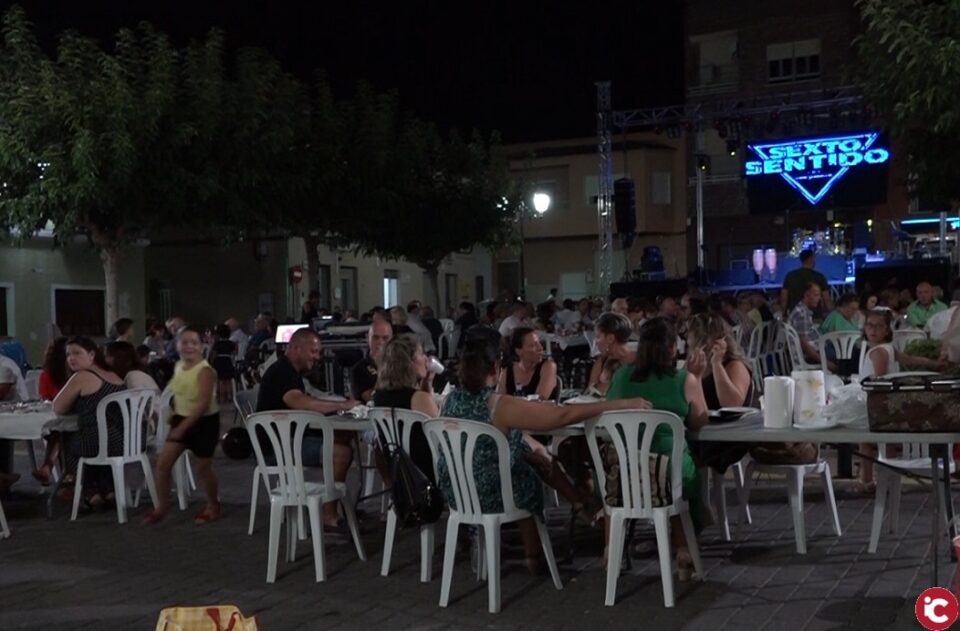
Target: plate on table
x,y
816,426
727,415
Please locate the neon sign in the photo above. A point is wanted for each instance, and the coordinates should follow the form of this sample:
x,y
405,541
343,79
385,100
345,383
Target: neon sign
x,y
813,165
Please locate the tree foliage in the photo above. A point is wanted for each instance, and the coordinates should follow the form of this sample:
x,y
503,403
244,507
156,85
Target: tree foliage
x,y
909,66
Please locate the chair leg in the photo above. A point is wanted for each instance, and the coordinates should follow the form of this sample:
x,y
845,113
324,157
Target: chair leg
x,y
828,493
743,496
692,545
388,539
4,529
879,505
548,553
148,479
77,490
894,502
254,492
180,480
316,532
738,478
449,553
120,492
661,523
291,533
614,556
795,495
719,501
352,524
427,535
33,455
273,551
492,539
188,467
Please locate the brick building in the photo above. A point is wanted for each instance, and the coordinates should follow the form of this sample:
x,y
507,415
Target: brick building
x,y
745,50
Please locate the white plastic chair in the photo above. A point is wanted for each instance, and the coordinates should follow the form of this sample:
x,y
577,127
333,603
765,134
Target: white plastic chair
x,y
134,407
718,495
4,529
902,337
794,475
32,381
285,431
455,440
914,458
794,348
623,429
843,343
396,425
245,401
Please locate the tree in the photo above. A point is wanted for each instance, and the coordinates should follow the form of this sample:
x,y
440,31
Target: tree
x,y
909,66
440,196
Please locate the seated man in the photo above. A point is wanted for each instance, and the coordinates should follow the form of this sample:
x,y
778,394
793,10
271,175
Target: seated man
x,y
924,307
282,389
12,388
801,319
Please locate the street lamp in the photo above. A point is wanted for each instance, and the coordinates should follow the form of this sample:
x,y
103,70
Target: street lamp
x,y
541,204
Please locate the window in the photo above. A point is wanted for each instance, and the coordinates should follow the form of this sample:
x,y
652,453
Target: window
x,y
793,61
660,188
80,311
325,290
348,288
391,288
479,289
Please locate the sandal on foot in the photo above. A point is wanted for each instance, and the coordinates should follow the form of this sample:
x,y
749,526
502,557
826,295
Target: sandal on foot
x,y
153,517
42,475
685,569
864,488
206,516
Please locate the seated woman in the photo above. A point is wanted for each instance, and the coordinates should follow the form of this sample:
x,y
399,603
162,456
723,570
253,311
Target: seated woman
x,y
476,400
539,379
403,382
123,360
844,316
655,378
53,377
613,341
717,361
92,380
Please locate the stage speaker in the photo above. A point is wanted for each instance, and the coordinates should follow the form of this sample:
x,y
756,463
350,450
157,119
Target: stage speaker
x,y
625,209
652,260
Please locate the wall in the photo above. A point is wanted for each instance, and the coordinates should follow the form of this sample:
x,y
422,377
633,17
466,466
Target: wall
x,y
412,283
32,269
208,283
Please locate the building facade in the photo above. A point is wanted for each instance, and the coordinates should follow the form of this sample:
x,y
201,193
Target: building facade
x,y
560,246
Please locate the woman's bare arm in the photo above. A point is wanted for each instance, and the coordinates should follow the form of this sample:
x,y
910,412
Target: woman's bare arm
x,y
534,416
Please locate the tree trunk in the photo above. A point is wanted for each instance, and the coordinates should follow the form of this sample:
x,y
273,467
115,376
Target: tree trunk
x,y
110,257
312,273
433,290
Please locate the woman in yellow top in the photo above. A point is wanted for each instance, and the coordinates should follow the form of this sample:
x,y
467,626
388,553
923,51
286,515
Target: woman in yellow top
x,y
195,425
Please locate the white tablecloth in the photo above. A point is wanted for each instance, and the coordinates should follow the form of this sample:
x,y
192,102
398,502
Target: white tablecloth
x,y
33,425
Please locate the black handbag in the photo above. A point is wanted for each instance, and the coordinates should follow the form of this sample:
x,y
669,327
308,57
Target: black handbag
x,y
416,500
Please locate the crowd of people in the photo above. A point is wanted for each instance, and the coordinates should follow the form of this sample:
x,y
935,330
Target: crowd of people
x,y
503,377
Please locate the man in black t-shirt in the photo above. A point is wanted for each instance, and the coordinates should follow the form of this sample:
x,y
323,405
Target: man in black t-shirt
x,y
363,375
282,389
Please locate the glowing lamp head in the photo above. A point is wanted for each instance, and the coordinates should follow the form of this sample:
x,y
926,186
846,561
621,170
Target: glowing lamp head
x,y
541,202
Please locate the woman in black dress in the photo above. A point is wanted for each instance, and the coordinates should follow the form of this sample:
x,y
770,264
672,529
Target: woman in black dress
x,y
529,374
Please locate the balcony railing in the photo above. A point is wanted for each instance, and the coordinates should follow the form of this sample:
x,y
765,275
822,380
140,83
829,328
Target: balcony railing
x,y
715,79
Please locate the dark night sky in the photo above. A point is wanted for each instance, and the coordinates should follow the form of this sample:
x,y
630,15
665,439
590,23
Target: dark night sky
x,y
525,68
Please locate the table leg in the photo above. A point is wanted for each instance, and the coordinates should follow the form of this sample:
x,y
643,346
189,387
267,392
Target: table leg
x,y
845,461
944,462
935,526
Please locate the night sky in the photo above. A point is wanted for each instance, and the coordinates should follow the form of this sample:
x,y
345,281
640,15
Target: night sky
x,y
524,68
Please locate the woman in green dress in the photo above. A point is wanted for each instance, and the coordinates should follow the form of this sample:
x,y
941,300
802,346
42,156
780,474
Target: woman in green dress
x,y
655,378
476,400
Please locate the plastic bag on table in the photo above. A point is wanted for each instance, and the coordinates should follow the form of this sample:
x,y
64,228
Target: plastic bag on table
x,y
846,404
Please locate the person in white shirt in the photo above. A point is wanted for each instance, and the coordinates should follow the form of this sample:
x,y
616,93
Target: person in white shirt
x,y
122,358
517,318
419,328
567,320
12,385
237,336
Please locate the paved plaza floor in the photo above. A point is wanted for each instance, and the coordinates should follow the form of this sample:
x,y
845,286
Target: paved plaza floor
x,y
96,574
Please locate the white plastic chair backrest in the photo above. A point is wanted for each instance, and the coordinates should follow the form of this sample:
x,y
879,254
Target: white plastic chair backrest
x,y
447,324
623,428
246,400
794,348
737,332
913,451
134,405
164,412
764,339
843,343
902,337
396,424
455,441
32,382
284,431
